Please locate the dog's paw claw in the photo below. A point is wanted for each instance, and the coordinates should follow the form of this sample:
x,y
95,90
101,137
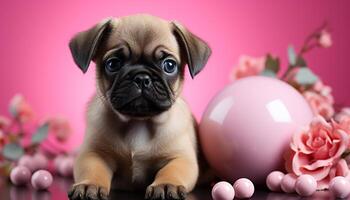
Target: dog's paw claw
x,y
165,192
87,192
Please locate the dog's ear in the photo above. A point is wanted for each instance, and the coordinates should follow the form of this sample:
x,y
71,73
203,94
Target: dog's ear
x,y
84,45
197,51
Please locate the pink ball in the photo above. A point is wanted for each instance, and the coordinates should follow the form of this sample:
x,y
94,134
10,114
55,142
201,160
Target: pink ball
x,y
251,120
65,167
41,180
273,181
40,161
340,187
20,175
305,185
58,159
244,188
27,161
223,191
288,183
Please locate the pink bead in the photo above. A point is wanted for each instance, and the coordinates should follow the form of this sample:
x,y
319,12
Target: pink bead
x,y
41,180
305,185
28,162
65,167
223,191
340,187
57,161
244,188
288,183
273,181
20,175
40,161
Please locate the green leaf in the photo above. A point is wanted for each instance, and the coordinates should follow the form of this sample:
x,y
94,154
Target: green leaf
x,y
292,56
13,111
268,73
301,62
41,133
305,77
272,64
12,151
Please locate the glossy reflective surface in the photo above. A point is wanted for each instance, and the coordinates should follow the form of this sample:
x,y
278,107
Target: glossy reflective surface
x,y
247,127
60,185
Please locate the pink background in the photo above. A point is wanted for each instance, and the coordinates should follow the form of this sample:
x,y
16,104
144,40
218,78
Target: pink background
x,y
35,59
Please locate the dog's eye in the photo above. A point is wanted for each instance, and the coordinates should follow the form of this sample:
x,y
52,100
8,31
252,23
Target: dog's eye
x,y
113,64
169,66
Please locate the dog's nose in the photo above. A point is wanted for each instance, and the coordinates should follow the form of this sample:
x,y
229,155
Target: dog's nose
x,y
143,80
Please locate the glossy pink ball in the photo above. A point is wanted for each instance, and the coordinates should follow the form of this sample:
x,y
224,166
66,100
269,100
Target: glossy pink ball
x,y
305,185
288,183
248,125
65,167
223,191
244,188
40,161
340,187
20,175
273,181
41,180
27,161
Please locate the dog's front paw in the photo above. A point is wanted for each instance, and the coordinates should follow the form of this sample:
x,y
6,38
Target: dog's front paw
x,y
87,192
165,191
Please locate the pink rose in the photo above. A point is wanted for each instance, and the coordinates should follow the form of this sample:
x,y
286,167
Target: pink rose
x,y
320,104
317,151
344,123
4,122
325,39
248,66
21,109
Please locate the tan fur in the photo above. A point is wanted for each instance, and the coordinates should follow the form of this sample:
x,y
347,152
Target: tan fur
x,y
135,153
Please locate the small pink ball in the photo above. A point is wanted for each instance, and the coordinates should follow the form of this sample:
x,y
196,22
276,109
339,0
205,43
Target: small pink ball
x,y
305,185
41,180
288,183
27,161
223,191
57,161
20,175
273,181
65,167
340,187
40,161
244,188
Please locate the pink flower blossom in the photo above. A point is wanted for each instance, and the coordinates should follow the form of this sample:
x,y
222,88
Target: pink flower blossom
x,y
248,66
317,150
320,104
344,113
325,39
21,109
4,122
60,127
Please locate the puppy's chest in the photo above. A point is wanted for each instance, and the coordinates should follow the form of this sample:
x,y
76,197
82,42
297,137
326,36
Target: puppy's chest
x,y
138,138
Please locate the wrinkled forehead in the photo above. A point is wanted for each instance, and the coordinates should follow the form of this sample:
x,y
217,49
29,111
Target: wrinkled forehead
x,y
143,36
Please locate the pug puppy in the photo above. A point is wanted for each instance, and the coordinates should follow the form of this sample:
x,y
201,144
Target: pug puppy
x,y
140,133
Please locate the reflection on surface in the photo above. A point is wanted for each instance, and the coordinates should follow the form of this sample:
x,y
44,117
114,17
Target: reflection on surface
x,y
219,112
278,111
58,191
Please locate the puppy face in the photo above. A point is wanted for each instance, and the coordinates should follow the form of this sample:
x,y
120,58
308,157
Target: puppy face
x,y
140,61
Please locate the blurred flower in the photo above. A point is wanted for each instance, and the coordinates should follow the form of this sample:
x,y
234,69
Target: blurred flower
x,y
317,150
60,127
325,39
320,104
20,109
248,66
344,113
4,122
